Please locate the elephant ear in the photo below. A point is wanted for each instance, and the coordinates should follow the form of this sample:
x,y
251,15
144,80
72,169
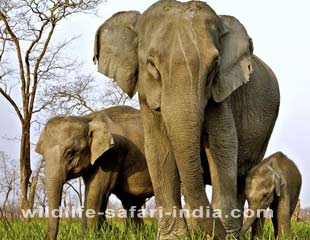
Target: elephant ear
x,y
100,139
235,65
115,50
278,181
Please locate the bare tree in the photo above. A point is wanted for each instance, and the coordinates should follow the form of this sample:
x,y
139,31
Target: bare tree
x,y
41,193
76,186
82,94
113,96
34,182
8,179
73,96
28,58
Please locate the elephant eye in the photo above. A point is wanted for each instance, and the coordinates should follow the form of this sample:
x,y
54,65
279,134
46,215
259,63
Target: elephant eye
x,y
150,61
69,153
213,69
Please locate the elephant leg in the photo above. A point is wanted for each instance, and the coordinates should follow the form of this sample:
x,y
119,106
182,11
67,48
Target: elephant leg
x,y
93,199
133,205
283,218
274,219
258,228
275,226
102,217
164,175
241,199
221,147
98,189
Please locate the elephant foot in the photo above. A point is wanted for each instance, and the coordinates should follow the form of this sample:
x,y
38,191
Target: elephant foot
x,y
232,237
231,221
172,228
232,232
203,221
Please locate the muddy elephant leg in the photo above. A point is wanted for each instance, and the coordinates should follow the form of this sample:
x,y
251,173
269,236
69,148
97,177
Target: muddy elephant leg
x,y
221,146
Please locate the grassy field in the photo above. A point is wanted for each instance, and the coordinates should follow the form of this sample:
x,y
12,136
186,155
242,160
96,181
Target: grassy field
x,y
19,230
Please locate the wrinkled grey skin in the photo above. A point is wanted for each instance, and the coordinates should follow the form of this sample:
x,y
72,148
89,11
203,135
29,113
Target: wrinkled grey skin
x,y
273,183
206,102
106,148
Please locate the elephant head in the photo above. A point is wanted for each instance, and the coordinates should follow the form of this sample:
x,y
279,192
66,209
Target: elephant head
x,y
263,183
69,145
178,56
216,49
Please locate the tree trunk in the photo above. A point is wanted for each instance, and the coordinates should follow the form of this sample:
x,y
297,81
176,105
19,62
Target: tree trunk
x,y
6,197
32,192
25,170
27,189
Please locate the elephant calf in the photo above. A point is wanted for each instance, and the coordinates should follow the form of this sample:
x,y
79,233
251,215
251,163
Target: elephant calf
x,y
106,148
274,183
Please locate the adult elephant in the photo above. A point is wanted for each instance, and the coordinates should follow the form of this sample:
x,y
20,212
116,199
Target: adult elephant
x,y
200,89
106,148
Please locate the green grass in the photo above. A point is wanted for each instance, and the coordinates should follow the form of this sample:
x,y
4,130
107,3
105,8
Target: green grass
x,y
71,230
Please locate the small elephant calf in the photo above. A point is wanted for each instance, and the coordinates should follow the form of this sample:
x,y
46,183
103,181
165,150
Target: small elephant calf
x,y
274,183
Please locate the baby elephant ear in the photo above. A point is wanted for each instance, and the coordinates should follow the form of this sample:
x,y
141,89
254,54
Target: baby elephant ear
x,y
235,65
100,139
278,181
115,50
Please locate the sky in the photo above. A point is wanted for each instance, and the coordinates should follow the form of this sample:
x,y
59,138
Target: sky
x,y
281,37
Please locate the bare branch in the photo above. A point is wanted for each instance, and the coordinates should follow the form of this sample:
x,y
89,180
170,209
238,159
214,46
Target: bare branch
x,y
78,193
8,29
14,105
37,65
34,182
34,42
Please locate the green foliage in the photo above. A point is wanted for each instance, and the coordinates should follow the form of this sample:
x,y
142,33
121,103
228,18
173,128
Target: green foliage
x,y
71,230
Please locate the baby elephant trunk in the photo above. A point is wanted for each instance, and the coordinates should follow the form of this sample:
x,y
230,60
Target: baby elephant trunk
x,y
249,221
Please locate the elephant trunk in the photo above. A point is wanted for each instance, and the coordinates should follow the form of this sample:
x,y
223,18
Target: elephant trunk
x,y
249,221
54,184
184,130
184,119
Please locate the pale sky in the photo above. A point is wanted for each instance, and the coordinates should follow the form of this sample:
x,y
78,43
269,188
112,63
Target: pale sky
x,y
281,37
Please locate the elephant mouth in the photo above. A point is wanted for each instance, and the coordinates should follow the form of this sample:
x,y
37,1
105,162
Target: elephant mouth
x,y
158,110
73,173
